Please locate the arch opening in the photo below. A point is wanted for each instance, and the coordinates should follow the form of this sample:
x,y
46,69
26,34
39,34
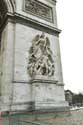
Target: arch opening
x,y
6,6
3,10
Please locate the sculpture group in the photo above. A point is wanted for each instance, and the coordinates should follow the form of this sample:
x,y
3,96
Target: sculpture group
x,y
40,57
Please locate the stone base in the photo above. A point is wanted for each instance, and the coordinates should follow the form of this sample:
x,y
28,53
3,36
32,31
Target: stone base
x,y
17,107
50,105
37,117
47,94
44,95
32,109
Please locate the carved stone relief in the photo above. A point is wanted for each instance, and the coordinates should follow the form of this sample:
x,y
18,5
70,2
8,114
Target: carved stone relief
x,y
40,57
38,9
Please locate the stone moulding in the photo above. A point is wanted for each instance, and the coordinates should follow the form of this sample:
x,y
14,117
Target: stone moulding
x,y
43,81
38,9
29,22
46,81
32,81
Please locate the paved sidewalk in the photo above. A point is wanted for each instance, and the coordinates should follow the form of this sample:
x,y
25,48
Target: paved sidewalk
x,y
75,118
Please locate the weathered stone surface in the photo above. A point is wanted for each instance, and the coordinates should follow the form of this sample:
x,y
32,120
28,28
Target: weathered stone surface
x,y
22,52
19,89
20,8
73,118
38,9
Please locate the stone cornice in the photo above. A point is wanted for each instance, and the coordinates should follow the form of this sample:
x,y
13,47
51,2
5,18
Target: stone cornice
x,y
27,21
46,81
39,81
43,81
21,18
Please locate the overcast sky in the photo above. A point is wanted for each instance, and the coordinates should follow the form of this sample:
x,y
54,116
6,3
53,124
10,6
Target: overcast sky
x,y
70,21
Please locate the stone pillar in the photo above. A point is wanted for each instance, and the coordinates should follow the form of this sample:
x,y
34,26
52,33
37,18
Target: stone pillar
x,y
30,58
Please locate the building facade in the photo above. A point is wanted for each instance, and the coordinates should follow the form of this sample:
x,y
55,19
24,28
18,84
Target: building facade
x,y
30,62
69,97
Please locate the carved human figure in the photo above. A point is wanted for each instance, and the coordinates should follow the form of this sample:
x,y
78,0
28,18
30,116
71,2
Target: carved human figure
x,y
40,57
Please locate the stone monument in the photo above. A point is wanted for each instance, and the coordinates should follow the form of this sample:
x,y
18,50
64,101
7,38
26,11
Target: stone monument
x,y
30,62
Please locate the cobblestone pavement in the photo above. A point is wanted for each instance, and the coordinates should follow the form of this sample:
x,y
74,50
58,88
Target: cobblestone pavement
x,y
75,118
